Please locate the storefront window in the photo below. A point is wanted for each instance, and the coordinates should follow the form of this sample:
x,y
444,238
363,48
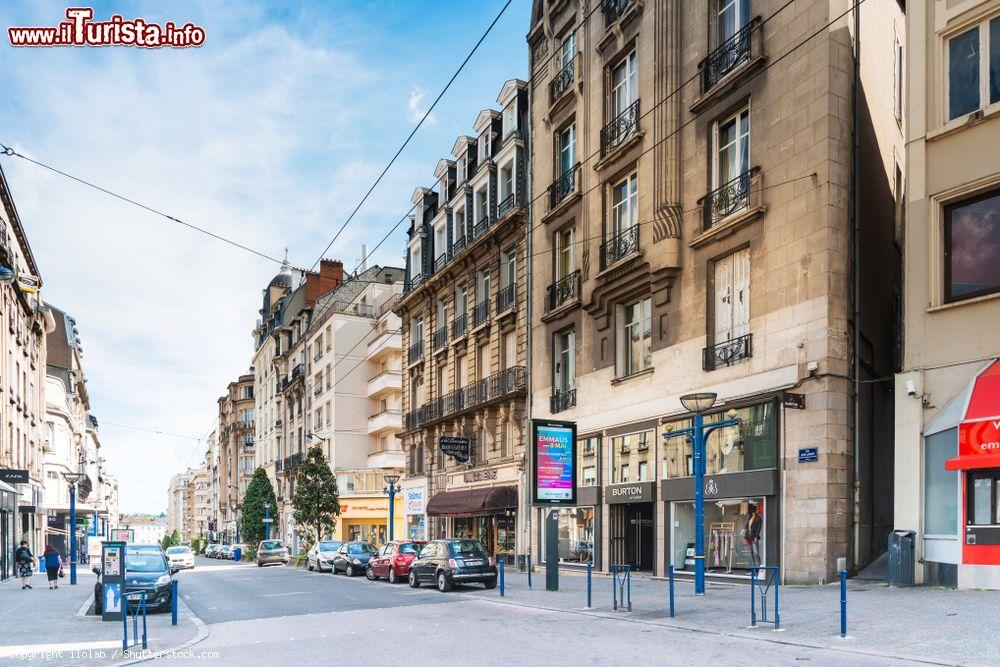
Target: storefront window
x,y
576,535
984,497
416,528
630,457
940,485
586,461
734,535
506,529
749,446
462,527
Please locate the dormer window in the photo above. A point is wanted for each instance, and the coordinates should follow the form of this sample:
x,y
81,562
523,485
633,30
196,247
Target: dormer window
x,y
483,145
461,170
510,118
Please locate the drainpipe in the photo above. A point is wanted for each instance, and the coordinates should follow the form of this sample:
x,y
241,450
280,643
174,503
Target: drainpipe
x,y
856,277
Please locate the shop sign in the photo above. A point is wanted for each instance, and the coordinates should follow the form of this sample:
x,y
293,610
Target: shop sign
x,y
635,492
794,401
123,535
808,455
414,501
479,476
553,446
457,448
977,438
13,476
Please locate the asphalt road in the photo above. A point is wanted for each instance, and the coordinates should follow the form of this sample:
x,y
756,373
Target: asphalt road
x,y
263,615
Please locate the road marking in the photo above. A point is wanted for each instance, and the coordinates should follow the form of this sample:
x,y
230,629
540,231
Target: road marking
x,y
275,595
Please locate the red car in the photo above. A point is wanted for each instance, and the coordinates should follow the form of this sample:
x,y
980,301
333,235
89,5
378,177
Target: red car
x,y
393,560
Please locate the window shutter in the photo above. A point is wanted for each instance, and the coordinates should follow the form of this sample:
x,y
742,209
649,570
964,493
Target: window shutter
x,y
571,360
724,299
741,292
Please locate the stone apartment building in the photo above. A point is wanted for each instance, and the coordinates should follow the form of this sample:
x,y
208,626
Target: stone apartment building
x,y
180,508
693,189
463,315
236,452
948,393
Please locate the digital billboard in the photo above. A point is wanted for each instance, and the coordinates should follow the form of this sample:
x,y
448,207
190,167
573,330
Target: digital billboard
x,y
553,447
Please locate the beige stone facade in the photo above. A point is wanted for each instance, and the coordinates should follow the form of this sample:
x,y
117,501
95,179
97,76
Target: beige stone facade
x,y
236,452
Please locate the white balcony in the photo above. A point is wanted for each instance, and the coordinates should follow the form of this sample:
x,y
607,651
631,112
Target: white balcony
x,y
385,383
388,420
389,458
385,344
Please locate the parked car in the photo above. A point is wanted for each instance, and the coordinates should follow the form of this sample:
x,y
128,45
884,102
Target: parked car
x,y
180,558
231,554
211,549
393,560
271,551
146,569
222,552
353,557
320,556
449,562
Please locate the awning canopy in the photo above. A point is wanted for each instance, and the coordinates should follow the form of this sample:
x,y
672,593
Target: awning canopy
x,y
979,430
473,502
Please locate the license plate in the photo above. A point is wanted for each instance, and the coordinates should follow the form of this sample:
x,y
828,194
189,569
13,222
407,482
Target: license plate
x,y
474,563
134,597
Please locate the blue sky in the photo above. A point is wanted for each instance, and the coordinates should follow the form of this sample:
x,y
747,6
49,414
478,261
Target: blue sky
x,y
269,134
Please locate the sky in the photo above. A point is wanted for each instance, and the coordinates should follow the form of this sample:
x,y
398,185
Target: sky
x,y
269,134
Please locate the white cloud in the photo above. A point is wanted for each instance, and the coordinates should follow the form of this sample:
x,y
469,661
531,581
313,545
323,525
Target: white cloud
x,y
416,112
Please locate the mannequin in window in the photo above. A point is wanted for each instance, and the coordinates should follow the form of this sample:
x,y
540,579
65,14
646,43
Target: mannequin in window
x,y
751,533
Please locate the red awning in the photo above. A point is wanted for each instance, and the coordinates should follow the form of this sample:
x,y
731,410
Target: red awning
x,y
979,431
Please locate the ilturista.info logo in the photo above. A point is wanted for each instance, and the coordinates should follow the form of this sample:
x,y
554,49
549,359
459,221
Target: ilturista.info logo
x,y
80,29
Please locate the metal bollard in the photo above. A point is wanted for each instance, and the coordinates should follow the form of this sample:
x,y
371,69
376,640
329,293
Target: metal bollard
x,y
843,603
501,577
529,570
628,586
590,568
173,602
144,645
753,590
671,574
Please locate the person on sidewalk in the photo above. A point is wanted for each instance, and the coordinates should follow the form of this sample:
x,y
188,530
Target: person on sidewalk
x,y
25,564
53,565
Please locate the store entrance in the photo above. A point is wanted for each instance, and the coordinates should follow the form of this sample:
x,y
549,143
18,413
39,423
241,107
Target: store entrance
x,y
632,535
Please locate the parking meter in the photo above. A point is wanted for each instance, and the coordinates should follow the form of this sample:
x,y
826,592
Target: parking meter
x,y
112,580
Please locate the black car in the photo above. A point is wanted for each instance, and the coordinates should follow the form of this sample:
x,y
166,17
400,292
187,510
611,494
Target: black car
x,y
449,562
353,557
146,569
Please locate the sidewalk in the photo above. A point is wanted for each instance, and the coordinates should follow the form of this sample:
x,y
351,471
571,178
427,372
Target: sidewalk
x,y
925,624
44,626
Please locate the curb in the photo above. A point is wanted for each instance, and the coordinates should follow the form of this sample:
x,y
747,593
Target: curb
x,y
201,635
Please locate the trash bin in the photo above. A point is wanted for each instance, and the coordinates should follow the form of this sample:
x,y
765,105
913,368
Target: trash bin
x,y
41,564
237,553
902,560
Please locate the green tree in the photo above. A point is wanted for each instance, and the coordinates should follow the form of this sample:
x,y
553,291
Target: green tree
x,y
259,491
171,540
317,501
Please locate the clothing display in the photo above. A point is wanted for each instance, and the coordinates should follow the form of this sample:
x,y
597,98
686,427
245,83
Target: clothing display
x,y
722,545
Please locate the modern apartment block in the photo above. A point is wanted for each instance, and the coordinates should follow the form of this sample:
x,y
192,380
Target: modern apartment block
x,y
947,442
463,315
694,181
236,452
180,505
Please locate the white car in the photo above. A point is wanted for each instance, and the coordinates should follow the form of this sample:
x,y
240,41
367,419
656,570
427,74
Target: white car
x,y
320,557
180,558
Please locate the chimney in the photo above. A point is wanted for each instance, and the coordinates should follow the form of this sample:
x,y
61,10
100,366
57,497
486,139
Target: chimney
x,y
364,257
331,272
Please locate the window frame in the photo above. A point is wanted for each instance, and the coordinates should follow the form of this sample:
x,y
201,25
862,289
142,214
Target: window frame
x,y
947,209
717,126
622,369
992,474
564,350
630,203
983,26
629,64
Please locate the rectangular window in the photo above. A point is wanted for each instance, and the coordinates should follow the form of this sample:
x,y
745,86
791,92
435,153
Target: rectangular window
x,y
732,296
510,117
750,446
635,338
631,456
974,68
587,460
567,50
625,205
732,154
564,361
461,371
624,84
972,247
482,205
458,225
510,349
415,267
565,259
898,81
567,149
733,16
508,269
483,286
576,535
461,301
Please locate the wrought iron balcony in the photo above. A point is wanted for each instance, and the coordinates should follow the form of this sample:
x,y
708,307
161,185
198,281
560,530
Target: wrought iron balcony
x,y
458,246
481,313
564,186
440,261
620,246
292,461
563,81
564,290
459,325
562,400
728,352
728,56
416,352
613,9
412,420
507,381
621,127
481,226
740,194
506,205
506,298
412,282
441,337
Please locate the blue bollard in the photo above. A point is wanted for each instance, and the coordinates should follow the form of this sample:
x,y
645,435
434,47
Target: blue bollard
x,y
501,577
671,573
144,645
529,571
753,590
173,602
628,586
843,603
590,568
777,607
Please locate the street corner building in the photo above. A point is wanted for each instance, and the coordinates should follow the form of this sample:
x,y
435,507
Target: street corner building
x,y
947,479
702,220
463,318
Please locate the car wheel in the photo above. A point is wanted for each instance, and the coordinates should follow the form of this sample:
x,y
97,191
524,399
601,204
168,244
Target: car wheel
x,y
393,577
259,564
370,573
349,571
310,566
490,584
444,584
414,582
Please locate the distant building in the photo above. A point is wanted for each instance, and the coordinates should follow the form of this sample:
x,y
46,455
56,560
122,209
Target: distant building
x,y
236,453
146,529
180,505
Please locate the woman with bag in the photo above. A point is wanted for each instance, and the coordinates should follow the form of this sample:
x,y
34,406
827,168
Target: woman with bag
x,y
25,564
53,565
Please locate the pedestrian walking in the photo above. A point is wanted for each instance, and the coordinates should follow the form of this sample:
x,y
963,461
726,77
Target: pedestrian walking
x,y
53,565
25,564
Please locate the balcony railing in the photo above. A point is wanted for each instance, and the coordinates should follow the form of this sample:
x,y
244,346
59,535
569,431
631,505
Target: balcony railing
x,y
563,81
739,194
459,326
729,55
441,260
506,298
619,246
506,205
621,127
481,313
458,246
613,9
440,338
290,462
728,352
564,290
495,386
385,411
562,400
412,282
416,352
317,390
481,226
564,186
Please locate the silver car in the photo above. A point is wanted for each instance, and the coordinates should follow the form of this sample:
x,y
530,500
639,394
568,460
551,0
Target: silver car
x,y
320,556
271,551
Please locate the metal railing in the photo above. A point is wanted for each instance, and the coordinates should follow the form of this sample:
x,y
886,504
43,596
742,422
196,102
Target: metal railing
x,y
385,411
739,194
564,290
728,56
562,81
506,205
481,226
497,385
416,352
440,337
619,246
727,353
562,400
481,313
292,461
621,127
506,298
459,325
613,9
412,282
458,246
564,186
441,260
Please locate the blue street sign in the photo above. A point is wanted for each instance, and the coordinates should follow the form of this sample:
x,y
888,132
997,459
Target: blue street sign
x,y
808,455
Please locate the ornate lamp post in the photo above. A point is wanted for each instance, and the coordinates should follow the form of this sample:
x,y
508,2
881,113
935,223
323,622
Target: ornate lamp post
x,y
391,488
698,435
267,521
235,507
73,478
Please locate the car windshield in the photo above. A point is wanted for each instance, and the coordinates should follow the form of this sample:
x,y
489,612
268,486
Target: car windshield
x,y
361,549
271,544
179,550
144,560
466,548
329,546
409,548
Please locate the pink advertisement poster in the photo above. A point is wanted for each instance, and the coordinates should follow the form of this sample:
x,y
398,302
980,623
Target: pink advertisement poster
x,y
554,461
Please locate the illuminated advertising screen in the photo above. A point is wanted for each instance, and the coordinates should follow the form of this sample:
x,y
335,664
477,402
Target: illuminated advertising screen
x,y
554,456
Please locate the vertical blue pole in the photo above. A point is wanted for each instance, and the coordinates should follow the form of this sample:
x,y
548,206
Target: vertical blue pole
x,y
144,620
590,567
614,587
124,622
267,523
173,602
392,507
628,585
671,572
699,505
843,603
501,576
753,589
529,571
72,534
777,607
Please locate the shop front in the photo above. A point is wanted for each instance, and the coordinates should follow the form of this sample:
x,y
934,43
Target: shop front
x,y
414,494
8,529
579,527
366,518
487,514
632,511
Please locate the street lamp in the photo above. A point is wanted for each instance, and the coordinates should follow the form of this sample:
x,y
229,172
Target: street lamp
x,y
236,512
267,521
392,488
73,478
698,436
